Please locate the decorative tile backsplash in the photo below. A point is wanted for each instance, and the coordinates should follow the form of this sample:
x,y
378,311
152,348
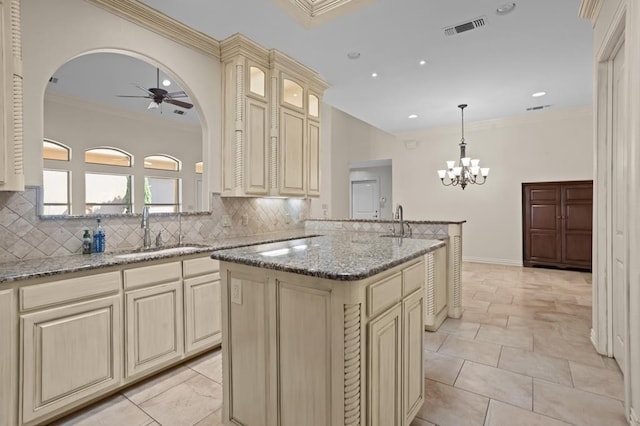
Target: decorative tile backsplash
x,y
433,230
25,235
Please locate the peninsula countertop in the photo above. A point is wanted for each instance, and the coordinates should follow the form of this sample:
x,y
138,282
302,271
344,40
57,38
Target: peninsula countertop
x,y
344,256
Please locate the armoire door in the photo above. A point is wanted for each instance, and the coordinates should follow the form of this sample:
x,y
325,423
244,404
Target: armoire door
x,y
557,222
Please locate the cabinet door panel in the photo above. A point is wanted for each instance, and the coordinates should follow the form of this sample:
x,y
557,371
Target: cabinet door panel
x,y
154,327
69,353
257,166
314,159
413,374
202,312
385,369
8,350
292,163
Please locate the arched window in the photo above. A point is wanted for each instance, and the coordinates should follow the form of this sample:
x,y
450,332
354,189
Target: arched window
x,y
52,150
108,156
161,162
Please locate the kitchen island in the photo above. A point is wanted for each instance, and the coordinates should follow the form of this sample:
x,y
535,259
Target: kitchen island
x,y
324,330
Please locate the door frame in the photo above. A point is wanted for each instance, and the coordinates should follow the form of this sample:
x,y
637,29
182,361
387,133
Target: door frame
x,y
602,318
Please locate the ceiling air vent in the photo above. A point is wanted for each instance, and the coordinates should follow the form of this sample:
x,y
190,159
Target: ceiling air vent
x,y
466,26
53,80
178,111
537,108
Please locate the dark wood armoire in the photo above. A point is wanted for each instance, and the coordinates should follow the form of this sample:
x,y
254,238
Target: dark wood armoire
x,y
557,221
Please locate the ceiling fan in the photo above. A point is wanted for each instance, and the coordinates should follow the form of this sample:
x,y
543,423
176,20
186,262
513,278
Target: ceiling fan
x,y
158,95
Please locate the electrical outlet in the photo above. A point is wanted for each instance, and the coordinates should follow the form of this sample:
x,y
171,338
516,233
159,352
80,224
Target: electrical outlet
x,y
287,218
245,220
226,221
236,292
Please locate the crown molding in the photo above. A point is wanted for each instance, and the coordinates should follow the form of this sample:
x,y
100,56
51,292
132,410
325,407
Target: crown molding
x,y
238,44
278,61
590,9
149,18
312,13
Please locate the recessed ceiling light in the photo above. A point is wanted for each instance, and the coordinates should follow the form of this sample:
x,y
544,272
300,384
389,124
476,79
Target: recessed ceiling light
x,y
353,55
166,82
413,116
374,74
505,8
422,62
538,94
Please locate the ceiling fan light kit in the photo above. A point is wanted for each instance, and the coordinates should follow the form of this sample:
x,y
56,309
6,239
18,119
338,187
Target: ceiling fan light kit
x,y
467,171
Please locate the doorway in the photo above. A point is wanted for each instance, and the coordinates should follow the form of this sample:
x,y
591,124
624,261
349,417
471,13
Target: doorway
x,y
365,199
370,189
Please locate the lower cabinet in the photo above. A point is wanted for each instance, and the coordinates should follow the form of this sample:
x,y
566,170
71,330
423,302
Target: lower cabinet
x,y
69,353
203,325
8,365
154,327
436,291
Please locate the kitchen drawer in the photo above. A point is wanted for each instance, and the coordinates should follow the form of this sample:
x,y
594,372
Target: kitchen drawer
x,y
200,266
154,274
69,290
384,294
412,278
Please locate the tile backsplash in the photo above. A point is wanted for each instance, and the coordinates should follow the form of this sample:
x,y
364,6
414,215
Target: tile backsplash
x,y
25,235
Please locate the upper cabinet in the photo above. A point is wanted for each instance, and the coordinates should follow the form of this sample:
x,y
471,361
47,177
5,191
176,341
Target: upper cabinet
x,y
271,136
11,150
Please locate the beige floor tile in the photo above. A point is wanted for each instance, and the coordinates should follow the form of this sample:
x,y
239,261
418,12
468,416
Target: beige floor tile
x,y
433,340
213,419
115,410
475,305
603,381
513,309
419,422
503,385
186,403
575,309
576,406
473,350
441,368
501,414
209,365
536,365
479,287
447,406
485,318
493,297
460,327
157,384
506,337
611,364
553,344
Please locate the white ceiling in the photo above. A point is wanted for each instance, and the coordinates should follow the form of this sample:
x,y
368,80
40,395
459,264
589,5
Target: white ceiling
x,y
541,46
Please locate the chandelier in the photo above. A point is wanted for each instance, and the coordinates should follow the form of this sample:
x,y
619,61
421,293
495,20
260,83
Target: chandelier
x,y
467,170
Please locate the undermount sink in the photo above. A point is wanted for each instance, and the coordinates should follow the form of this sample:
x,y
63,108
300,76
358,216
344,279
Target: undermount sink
x,y
158,252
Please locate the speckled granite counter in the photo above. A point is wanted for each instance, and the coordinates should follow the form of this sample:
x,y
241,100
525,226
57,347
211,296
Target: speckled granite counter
x,y
340,256
49,266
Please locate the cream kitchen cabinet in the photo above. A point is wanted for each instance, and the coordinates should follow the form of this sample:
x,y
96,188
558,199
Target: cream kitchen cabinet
x,y
271,135
11,111
8,359
436,288
203,321
71,342
313,351
153,318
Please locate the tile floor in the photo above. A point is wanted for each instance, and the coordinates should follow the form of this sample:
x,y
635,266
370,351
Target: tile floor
x,y
520,355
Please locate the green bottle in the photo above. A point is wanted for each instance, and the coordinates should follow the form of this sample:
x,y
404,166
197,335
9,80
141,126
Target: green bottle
x,y
86,242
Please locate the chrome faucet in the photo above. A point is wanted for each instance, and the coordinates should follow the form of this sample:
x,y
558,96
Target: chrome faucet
x,y
145,225
399,216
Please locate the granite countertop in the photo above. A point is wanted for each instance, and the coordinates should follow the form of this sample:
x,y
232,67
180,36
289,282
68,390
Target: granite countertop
x,y
345,256
432,222
49,266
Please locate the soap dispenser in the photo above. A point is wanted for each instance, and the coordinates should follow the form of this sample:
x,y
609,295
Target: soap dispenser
x,y
99,238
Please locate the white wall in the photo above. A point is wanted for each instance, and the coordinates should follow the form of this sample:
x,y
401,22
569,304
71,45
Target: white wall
x,y
539,146
82,125
55,31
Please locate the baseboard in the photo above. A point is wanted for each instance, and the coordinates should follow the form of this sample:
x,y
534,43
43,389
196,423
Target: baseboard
x,y
507,262
633,418
594,339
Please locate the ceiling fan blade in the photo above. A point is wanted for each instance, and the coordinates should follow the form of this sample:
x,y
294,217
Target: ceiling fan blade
x,y
134,96
174,95
179,103
143,89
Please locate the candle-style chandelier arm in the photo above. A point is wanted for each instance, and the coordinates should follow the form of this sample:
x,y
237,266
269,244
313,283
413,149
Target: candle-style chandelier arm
x,y
468,170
